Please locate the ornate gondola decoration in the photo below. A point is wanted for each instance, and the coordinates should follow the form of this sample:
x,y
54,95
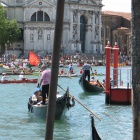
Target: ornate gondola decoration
x,y
94,134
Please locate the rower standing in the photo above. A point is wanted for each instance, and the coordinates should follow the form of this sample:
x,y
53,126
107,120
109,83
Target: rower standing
x,y
86,68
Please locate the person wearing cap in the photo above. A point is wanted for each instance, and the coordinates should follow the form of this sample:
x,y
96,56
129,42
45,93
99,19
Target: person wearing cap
x,y
45,82
4,77
86,68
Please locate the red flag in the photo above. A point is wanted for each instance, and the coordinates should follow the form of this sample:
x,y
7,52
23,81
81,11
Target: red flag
x,y
33,59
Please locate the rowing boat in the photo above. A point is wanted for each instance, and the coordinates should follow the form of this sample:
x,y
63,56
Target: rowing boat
x,y
19,81
87,87
66,75
62,105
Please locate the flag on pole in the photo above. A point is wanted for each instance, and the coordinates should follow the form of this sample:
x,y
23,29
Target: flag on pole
x,y
33,59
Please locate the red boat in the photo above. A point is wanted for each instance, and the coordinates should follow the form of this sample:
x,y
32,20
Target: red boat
x,y
19,81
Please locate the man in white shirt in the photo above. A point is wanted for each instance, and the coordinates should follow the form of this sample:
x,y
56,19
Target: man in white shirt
x,y
4,77
21,76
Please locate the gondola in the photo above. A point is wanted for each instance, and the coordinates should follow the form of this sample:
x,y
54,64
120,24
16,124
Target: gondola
x,y
19,81
87,87
94,134
62,105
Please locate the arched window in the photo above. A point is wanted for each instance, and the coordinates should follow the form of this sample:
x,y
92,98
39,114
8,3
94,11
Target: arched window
x,y
33,17
46,18
40,16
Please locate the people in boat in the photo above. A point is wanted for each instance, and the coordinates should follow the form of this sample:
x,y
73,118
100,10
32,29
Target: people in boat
x,y
36,97
4,77
86,68
21,76
93,82
70,69
103,83
45,82
95,72
81,71
62,72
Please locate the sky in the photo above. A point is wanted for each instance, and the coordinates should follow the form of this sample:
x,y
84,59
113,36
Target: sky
x,y
117,5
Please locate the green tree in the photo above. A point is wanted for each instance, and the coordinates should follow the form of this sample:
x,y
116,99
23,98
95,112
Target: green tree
x,y
9,31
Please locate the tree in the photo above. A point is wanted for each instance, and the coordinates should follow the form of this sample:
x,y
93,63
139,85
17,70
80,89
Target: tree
x,y
136,67
9,31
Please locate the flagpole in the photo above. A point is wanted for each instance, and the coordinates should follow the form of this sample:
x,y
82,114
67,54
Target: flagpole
x,y
54,70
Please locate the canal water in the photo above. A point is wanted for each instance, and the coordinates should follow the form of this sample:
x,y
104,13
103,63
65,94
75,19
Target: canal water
x,y
16,123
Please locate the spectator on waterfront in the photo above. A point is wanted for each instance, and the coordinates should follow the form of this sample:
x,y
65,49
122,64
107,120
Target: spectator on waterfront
x,y
86,68
45,82
4,77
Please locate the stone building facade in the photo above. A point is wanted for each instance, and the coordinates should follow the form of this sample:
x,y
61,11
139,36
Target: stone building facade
x,y
36,18
116,27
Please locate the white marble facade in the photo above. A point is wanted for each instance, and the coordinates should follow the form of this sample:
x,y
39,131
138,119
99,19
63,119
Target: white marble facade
x,y
37,19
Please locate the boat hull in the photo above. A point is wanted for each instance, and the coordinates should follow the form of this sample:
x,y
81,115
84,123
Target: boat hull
x,y
40,111
87,87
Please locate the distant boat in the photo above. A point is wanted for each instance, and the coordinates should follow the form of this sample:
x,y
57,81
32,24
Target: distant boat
x,y
19,81
62,105
94,134
87,87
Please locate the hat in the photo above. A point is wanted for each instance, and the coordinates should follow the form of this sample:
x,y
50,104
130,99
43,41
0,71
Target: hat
x,y
3,73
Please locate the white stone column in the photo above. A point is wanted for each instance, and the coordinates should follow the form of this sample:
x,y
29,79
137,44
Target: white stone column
x,y
93,33
71,24
78,31
100,26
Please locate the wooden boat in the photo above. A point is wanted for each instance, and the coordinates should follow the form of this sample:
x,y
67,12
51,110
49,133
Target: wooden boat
x,y
87,87
19,81
66,75
62,104
99,74
94,134
16,73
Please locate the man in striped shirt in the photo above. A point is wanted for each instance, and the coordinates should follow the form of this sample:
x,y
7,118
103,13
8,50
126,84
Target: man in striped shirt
x,y
86,68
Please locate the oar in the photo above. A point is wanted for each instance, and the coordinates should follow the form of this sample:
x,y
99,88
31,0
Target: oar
x,y
12,77
81,103
100,83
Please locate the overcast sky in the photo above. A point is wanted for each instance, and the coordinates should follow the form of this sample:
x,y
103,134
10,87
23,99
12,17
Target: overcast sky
x,y
117,5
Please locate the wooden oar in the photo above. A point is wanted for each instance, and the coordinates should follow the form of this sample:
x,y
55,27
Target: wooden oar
x,y
81,103
100,83
12,77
